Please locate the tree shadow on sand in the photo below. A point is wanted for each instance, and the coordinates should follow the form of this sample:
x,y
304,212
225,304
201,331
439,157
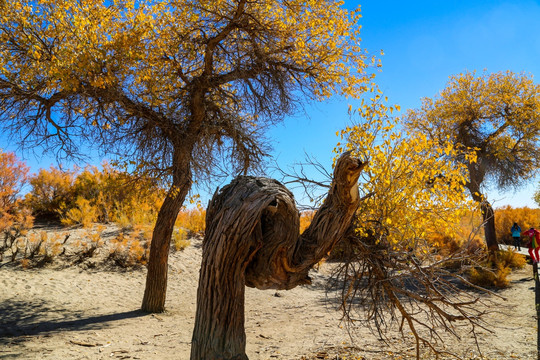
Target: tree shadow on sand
x,y
36,317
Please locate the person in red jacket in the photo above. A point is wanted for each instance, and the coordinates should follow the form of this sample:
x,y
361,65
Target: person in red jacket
x,y
533,244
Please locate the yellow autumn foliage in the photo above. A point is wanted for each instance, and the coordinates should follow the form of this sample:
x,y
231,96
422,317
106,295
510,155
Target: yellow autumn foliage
x,y
154,47
412,192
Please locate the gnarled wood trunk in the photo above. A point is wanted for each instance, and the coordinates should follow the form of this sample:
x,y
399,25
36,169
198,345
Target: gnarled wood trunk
x,y
252,238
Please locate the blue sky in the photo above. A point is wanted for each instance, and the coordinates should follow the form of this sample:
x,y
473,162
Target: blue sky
x,y
425,42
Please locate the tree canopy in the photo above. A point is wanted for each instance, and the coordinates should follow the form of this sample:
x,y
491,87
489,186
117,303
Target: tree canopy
x,y
135,74
495,116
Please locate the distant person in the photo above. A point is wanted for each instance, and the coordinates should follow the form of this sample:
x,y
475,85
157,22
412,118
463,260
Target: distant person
x,y
534,242
516,235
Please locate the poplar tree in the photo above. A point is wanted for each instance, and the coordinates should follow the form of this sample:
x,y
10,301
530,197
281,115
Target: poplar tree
x,y
495,117
183,88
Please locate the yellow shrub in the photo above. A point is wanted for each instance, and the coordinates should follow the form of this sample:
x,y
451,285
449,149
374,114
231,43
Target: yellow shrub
x,y
496,270
485,277
91,241
192,220
180,239
510,259
39,249
129,251
108,194
51,191
83,213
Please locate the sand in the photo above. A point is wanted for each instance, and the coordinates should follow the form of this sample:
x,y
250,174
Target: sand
x,y
88,311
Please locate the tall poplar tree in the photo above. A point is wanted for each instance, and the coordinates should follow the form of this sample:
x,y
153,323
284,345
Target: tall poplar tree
x,y
497,118
182,88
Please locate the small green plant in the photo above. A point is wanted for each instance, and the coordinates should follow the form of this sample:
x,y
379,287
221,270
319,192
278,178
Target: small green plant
x,y
494,272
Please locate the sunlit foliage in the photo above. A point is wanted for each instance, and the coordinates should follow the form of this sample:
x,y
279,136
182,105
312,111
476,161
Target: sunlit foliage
x,y
14,217
192,220
51,191
497,115
411,190
390,261
94,195
13,175
115,67
129,250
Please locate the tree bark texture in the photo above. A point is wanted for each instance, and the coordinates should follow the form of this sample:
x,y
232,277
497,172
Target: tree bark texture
x,y
156,276
488,215
252,238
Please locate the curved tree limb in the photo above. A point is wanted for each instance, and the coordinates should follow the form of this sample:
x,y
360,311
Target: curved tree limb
x,y
252,238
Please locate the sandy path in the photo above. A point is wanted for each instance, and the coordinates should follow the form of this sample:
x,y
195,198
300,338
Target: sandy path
x,y
87,314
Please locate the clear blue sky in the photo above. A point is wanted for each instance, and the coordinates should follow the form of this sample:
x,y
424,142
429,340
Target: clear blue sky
x,y
424,43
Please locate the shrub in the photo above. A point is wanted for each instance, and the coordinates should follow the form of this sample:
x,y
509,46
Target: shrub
x,y
487,277
510,259
83,212
119,196
52,192
495,270
89,245
180,239
13,176
192,220
15,218
38,249
129,251
83,197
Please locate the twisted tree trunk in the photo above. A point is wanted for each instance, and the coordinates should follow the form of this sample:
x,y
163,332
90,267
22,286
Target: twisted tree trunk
x,y
252,238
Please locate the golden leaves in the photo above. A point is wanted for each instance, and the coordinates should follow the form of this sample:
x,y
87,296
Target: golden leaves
x,y
414,188
495,116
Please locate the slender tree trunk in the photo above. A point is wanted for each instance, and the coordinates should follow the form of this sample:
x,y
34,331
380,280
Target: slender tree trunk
x,y
488,219
156,277
252,238
488,215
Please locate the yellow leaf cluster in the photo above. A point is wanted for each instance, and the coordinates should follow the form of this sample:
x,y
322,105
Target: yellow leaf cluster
x,y
151,49
492,117
412,191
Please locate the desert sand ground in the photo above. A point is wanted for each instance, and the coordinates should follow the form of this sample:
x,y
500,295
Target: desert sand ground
x,y
86,311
